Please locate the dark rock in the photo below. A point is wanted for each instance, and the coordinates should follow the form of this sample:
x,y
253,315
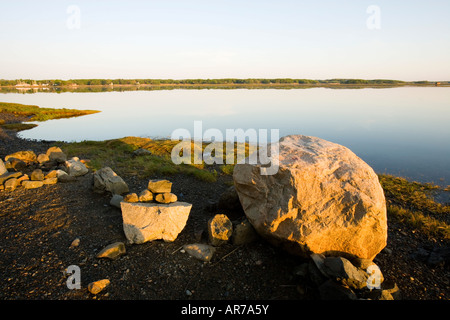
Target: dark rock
x,y
330,290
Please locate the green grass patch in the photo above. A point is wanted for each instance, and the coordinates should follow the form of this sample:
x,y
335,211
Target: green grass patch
x,y
118,154
41,114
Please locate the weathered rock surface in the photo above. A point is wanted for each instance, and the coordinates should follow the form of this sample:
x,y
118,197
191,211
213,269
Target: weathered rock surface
x,y
220,230
106,180
144,222
323,199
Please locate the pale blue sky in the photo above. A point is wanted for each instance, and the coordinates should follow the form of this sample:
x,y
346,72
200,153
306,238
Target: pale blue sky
x,y
217,39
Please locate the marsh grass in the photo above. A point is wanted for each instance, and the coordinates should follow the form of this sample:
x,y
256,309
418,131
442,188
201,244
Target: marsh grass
x,y
118,154
412,203
36,113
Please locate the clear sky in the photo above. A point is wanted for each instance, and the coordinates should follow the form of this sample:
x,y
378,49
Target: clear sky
x,y
179,39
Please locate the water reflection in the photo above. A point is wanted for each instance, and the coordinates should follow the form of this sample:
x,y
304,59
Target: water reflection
x,y
402,131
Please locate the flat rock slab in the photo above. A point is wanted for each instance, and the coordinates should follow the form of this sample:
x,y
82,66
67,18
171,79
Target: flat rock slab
x,y
144,222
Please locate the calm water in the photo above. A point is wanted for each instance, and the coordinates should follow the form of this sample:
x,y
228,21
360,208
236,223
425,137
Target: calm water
x,y
403,131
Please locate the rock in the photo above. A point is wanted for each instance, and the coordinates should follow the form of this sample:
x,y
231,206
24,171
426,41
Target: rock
x,y
63,176
98,286
2,167
229,201
9,175
323,199
50,180
200,251
131,197
25,177
52,174
159,186
243,233
220,230
76,168
112,251
333,291
41,158
11,184
75,243
146,196
32,184
56,154
16,164
144,222
319,262
116,200
37,175
106,180
342,270
166,197
141,152
26,156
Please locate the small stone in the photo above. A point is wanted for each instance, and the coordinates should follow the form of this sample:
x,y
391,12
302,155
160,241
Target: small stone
x,y
159,186
112,251
243,233
50,180
166,197
200,251
9,175
16,164
342,270
75,168
41,158
11,184
63,176
32,184
56,154
116,200
51,174
75,243
131,197
25,177
98,286
26,156
37,175
220,230
146,196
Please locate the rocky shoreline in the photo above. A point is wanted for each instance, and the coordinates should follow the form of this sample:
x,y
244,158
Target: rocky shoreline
x,y
41,225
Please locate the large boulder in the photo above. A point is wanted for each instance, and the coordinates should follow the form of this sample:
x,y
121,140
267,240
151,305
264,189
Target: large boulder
x,y
144,222
323,199
106,180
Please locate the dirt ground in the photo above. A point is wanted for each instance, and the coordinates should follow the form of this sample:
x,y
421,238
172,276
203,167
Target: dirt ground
x,y
37,228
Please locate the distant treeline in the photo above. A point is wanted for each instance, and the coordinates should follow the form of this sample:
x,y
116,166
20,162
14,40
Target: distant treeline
x,y
227,81
104,82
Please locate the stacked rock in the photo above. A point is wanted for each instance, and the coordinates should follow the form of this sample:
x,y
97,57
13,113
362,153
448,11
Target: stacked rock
x,y
25,168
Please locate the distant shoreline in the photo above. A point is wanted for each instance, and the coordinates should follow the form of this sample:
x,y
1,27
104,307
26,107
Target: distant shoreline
x,y
170,86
